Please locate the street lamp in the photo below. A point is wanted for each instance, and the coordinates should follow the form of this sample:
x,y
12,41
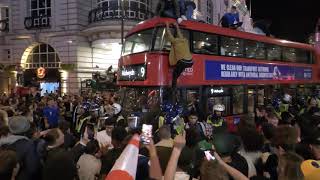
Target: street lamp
x,y
122,21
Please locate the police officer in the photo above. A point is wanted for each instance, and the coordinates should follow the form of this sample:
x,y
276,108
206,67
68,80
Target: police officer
x,y
218,123
286,103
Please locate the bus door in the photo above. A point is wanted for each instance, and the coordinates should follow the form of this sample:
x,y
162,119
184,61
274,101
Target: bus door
x,y
232,97
191,96
256,97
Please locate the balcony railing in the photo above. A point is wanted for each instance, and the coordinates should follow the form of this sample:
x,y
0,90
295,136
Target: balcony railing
x,y
112,13
37,22
4,25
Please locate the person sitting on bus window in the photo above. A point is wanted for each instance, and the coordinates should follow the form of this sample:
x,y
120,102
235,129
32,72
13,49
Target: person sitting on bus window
x,y
180,55
219,125
231,19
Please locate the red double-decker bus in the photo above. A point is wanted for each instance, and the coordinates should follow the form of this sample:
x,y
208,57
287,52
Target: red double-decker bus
x,y
238,69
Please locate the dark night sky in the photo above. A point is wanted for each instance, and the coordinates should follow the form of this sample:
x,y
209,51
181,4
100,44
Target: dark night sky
x,y
291,19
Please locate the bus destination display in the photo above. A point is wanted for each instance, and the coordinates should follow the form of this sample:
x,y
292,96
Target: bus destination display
x,y
132,73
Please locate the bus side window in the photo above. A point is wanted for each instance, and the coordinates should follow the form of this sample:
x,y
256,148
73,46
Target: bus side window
x,y
204,43
273,52
255,50
231,46
289,54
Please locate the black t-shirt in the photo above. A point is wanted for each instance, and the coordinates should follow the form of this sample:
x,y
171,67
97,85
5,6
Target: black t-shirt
x,y
239,162
109,159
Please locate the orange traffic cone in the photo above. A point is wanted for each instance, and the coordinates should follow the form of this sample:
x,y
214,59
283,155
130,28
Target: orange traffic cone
x,y
125,167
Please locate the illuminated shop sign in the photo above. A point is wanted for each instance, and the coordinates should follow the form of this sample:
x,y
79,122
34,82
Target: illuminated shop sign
x,y
41,72
217,91
132,73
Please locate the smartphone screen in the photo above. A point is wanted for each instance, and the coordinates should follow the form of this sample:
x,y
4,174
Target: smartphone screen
x,y
146,133
179,125
209,156
133,122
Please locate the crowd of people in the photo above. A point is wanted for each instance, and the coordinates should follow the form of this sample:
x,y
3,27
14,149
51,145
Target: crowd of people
x,y
70,137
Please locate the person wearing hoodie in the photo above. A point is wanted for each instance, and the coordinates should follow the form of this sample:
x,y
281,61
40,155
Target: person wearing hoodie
x,y
18,141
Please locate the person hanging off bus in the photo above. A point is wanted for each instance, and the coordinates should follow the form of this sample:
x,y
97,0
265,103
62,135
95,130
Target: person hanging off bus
x,y
180,55
231,19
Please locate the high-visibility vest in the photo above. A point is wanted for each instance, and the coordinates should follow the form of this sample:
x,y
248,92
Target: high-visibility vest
x,y
81,122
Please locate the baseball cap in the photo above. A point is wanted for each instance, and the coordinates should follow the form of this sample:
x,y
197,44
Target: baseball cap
x,y
311,169
225,144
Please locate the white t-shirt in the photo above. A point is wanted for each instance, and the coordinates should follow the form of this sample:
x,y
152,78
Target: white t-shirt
x,y
182,176
104,139
89,167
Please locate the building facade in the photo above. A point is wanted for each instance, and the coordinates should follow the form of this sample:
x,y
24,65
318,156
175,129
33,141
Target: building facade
x,y
62,42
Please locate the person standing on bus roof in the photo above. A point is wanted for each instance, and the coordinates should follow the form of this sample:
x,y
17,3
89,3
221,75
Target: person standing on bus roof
x,y
186,9
180,55
219,125
231,19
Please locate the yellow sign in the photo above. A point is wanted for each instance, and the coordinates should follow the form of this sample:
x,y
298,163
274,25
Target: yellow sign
x,y
41,72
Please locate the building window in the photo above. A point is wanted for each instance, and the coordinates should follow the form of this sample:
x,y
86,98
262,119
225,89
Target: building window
x,y
43,55
6,55
209,11
136,9
40,8
4,18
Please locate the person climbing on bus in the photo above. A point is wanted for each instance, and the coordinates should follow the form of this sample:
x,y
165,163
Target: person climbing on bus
x,y
218,123
180,55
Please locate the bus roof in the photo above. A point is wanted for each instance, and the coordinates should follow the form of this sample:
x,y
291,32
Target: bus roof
x,y
209,28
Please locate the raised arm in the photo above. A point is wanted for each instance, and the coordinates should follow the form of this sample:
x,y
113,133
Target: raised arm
x,y
155,169
179,143
168,33
180,35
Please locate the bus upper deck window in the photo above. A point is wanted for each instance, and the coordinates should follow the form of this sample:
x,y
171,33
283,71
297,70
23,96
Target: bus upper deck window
x,y
204,43
255,50
161,41
138,42
231,47
289,54
274,52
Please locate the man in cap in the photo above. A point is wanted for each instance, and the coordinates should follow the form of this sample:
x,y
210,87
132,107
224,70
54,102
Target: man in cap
x,y
216,120
18,141
226,146
314,144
